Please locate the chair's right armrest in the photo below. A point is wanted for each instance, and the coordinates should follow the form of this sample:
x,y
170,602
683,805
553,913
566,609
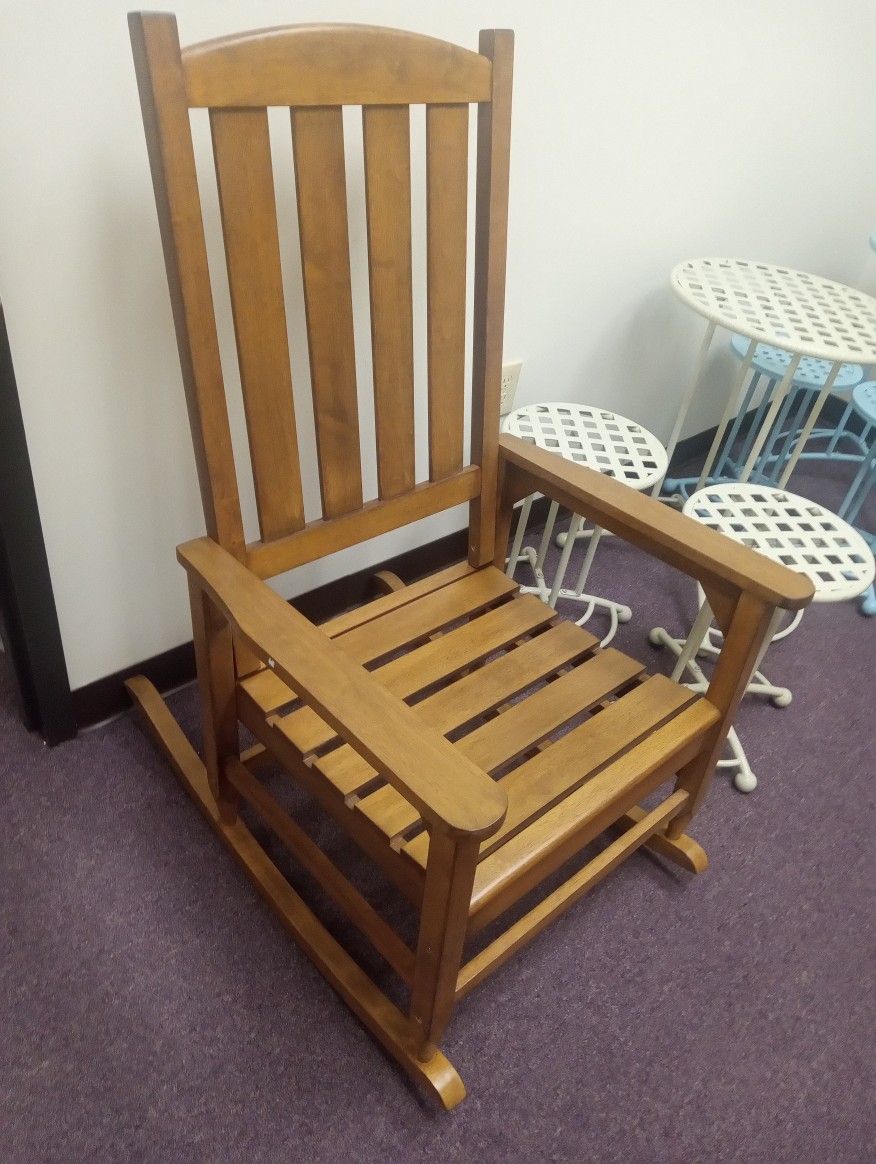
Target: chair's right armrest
x,y
447,790
712,558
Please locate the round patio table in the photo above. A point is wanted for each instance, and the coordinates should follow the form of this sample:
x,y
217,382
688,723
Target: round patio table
x,y
805,315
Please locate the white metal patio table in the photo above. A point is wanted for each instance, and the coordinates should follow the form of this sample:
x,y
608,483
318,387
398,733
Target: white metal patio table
x,y
802,314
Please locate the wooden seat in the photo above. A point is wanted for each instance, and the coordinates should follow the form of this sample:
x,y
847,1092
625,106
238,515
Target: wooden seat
x,y
567,729
466,739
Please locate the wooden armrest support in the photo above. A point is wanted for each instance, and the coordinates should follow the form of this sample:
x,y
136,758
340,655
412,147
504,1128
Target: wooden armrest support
x,y
447,790
711,557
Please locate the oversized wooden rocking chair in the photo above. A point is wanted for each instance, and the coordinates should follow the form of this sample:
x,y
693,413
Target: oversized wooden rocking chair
x,y
468,740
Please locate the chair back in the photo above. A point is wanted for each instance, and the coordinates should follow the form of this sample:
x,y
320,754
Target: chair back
x,y
314,71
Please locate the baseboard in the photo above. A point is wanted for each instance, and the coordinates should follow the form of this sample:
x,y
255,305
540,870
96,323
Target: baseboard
x,y
107,696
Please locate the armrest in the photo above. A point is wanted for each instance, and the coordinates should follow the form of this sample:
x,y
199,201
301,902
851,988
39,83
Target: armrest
x,y
445,788
710,557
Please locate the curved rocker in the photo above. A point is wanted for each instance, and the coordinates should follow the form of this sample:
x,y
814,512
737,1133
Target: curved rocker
x,y
437,1075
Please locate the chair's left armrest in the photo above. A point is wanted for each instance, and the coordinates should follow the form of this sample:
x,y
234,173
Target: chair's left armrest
x,y
448,791
715,560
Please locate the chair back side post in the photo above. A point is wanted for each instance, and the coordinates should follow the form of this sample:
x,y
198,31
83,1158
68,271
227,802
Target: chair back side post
x,y
315,70
163,100
506,496
491,233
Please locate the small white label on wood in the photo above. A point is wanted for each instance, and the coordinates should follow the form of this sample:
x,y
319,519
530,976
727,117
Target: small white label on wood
x,y
510,377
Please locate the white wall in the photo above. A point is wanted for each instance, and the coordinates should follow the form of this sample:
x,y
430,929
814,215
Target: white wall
x,y
644,133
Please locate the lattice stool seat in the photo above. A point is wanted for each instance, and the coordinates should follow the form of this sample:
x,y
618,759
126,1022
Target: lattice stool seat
x,y
792,530
602,440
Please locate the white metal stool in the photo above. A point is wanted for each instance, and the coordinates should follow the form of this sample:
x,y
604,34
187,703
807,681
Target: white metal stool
x,y
792,530
604,441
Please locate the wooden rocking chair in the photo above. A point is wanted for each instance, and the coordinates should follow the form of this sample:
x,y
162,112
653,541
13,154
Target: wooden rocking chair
x,y
404,719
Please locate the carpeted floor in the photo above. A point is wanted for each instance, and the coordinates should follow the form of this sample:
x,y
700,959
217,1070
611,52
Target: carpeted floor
x,y
153,1009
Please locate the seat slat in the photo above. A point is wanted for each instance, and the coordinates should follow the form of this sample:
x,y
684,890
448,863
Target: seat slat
x,y
410,624
270,693
244,178
552,838
466,644
413,592
527,723
517,729
538,785
386,135
499,680
446,208
266,691
473,694
320,183
416,621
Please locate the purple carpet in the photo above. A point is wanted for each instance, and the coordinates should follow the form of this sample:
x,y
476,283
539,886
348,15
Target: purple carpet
x,y
153,1009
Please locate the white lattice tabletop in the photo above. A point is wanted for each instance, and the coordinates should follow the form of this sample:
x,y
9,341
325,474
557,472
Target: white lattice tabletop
x,y
802,313
595,437
792,530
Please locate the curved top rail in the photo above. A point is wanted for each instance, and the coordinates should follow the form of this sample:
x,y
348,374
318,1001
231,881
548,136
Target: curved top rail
x,y
333,64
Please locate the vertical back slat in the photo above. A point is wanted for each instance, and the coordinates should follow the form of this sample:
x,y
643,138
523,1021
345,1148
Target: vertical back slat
x,y
320,181
491,231
386,133
244,176
387,142
446,207
161,83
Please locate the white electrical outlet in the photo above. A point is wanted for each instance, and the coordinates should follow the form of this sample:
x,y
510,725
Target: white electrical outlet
x,y
510,376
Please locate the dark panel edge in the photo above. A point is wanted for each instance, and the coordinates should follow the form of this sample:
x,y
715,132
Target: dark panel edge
x,y
30,617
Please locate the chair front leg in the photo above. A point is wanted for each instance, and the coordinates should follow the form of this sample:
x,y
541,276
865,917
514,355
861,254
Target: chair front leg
x,y
214,658
450,872
747,630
